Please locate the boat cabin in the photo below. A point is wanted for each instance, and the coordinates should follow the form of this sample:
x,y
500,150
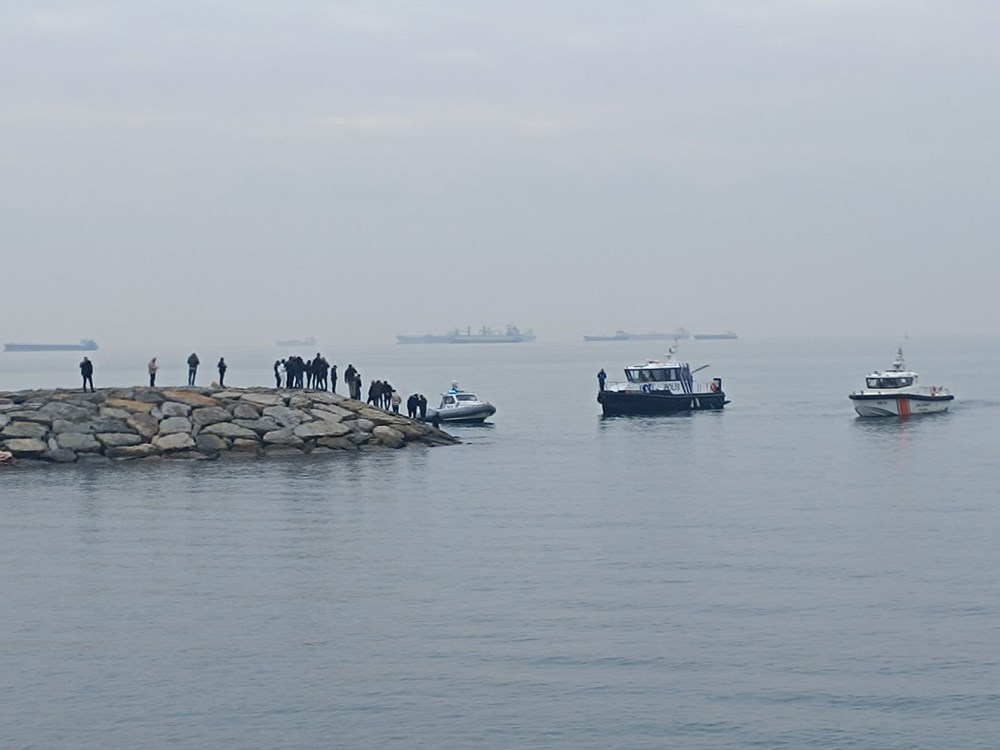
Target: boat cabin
x,y
655,371
888,380
453,399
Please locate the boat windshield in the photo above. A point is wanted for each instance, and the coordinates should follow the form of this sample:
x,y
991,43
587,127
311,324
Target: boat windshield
x,y
889,382
467,397
646,375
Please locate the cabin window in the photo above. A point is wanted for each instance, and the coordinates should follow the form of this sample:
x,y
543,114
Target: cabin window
x,y
632,375
872,382
906,381
466,397
448,400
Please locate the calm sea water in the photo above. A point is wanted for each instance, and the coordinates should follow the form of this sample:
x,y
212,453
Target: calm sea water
x,y
778,575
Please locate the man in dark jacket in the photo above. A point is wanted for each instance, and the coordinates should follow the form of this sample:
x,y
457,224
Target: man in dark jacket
x,y
193,363
87,371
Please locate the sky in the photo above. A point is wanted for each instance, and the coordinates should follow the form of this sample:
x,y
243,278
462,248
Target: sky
x,y
221,173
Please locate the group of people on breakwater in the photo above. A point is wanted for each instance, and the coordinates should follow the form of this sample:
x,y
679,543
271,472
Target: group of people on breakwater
x,y
153,367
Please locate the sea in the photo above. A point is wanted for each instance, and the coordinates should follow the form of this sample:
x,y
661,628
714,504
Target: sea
x,y
781,574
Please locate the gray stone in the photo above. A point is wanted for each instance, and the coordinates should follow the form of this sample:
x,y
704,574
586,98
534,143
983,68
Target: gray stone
x,y
108,413
260,426
286,416
246,411
59,456
128,404
333,410
25,447
109,425
242,444
363,425
321,428
299,401
69,412
4,421
24,430
284,436
326,415
144,424
142,450
30,415
227,395
210,415
337,443
388,436
263,399
230,430
359,438
174,409
210,444
149,396
118,439
80,442
322,397
61,425
174,424
191,398
175,441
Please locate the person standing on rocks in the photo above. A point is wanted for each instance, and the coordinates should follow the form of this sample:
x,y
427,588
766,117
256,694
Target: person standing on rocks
x,y
278,366
87,371
395,399
152,367
193,363
349,380
333,378
222,371
357,386
422,405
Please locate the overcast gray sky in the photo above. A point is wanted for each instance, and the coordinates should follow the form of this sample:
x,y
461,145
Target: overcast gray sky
x,y
235,172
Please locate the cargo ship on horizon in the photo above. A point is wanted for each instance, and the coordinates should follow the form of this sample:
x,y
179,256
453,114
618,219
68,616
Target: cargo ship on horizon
x,y
485,335
85,345
679,334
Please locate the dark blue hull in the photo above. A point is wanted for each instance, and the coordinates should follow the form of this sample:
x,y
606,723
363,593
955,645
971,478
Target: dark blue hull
x,y
631,403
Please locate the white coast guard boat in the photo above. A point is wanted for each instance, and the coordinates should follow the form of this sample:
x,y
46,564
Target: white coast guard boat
x,y
895,393
461,406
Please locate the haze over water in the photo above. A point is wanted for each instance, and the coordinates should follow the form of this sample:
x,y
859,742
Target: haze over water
x,y
779,574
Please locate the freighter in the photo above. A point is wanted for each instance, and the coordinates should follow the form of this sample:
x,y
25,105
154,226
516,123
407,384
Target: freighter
x,y
484,335
85,345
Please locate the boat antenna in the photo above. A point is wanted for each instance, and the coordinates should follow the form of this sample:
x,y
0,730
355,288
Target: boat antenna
x,y
898,364
672,350
699,369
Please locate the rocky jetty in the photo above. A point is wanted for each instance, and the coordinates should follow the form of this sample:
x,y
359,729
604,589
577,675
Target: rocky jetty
x,y
117,424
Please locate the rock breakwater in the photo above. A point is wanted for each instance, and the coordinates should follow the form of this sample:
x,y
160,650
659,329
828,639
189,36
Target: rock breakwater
x,y
119,424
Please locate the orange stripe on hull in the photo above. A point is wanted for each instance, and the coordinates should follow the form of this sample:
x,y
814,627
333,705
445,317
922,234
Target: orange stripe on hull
x,y
904,406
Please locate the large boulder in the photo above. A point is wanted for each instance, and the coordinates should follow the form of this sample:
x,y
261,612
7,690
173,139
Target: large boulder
x,y
24,430
175,441
260,426
109,425
284,436
143,450
144,424
320,428
210,415
128,405
230,430
175,424
81,442
263,399
59,455
60,426
331,409
70,412
118,439
286,416
174,409
246,411
210,444
388,436
191,398
25,447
